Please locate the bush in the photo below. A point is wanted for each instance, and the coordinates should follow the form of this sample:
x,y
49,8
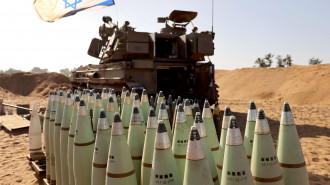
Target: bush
x,y
314,61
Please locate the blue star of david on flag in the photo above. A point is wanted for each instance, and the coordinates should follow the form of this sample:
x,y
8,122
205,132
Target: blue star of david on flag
x,y
52,10
73,5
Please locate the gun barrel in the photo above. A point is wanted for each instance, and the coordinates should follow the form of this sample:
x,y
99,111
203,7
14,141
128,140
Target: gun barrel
x,y
111,24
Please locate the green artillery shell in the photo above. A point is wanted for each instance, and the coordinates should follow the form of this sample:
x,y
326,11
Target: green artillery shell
x,y
57,132
46,134
222,147
148,149
110,112
145,107
236,169
83,147
164,169
264,164
126,114
96,112
202,132
51,139
197,170
188,113
100,157
135,141
249,130
64,134
180,140
72,132
120,169
162,115
289,151
210,130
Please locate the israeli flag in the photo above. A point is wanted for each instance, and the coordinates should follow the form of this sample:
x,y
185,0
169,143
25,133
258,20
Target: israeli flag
x,y
52,10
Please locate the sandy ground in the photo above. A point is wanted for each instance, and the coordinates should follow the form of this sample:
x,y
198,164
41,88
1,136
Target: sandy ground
x,y
312,117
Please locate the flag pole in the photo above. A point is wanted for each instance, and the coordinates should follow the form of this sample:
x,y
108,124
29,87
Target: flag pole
x,y
212,13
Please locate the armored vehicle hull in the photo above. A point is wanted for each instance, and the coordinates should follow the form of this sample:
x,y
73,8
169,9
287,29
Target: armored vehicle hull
x,y
170,61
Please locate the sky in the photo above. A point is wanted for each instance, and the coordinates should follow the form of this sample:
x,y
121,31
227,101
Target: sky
x,y
244,30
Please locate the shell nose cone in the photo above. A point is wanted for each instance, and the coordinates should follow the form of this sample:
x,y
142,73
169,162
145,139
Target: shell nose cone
x,y
261,114
187,102
180,108
127,94
69,95
194,135
161,94
136,110
136,97
152,113
233,122
162,106
206,104
116,118
286,107
228,111
98,96
82,103
252,105
77,99
161,127
111,99
144,92
198,117
102,114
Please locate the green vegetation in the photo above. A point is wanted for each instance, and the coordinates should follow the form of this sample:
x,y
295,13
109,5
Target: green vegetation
x,y
267,61
314,61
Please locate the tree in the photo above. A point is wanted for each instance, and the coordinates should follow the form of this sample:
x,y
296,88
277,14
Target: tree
x,y
65,72
288,60
314,61
11,70
260,62
268,59
280,61
39,70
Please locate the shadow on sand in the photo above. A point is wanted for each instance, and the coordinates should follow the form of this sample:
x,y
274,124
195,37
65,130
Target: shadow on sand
x,y
303,130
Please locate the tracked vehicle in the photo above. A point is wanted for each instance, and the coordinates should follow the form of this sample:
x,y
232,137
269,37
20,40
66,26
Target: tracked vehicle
x,y
171,60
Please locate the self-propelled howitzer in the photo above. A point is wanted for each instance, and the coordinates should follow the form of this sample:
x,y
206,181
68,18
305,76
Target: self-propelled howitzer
x,y
171,61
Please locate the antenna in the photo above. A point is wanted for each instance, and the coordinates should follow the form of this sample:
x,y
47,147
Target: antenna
x,y
212,14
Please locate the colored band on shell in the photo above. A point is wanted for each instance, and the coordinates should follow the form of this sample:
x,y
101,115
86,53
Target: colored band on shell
x,y
179,156
284,165
215,149
275,179
99,165
136,157
35,149
84,144
121,175
147,165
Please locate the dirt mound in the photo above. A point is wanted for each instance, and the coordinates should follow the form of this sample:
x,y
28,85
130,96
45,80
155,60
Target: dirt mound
x,y
296,84
32,84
